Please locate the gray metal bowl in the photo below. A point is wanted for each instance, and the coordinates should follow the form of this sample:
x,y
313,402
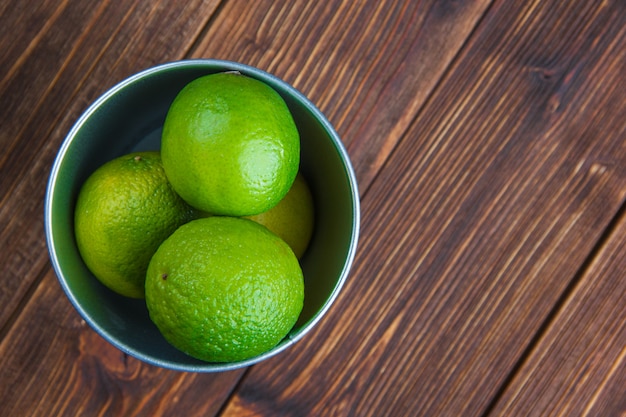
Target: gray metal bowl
x,y
129,117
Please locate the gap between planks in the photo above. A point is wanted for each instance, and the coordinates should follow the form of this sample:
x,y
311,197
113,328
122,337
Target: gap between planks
x,y
605,237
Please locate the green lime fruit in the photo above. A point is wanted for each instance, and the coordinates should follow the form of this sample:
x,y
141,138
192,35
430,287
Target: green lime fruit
x,y
124,211
230,145
292,219
224,289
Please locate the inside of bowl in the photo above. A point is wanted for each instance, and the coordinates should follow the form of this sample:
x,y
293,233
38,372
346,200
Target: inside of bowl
x,y
130,118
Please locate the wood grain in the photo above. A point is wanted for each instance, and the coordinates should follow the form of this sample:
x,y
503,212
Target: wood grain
x,y
52,363
75,53
475,226
368,65
489,140
106,63
578,367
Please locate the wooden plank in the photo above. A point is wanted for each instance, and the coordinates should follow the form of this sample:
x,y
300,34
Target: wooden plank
x,y
96,38
368,65
75,53
475,227
93,365
578,367
52,363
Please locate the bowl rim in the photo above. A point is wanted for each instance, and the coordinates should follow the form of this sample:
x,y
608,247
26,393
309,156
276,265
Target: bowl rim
x,y
209,64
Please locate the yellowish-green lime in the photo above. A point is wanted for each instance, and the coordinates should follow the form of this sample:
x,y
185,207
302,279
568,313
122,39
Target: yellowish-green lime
x,y
230,145
224,289
292,219
124,211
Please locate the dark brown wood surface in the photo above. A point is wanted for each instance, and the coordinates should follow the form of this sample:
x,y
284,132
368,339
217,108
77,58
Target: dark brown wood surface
x,y
489,142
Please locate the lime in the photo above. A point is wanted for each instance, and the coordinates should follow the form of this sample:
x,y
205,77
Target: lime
x,y
125,209
292,218
230,145
224,289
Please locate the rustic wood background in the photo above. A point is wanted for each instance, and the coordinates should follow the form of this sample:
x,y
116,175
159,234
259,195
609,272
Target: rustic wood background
x,y
489,142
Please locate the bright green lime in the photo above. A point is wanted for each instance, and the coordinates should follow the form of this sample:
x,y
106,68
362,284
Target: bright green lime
x,y
230,145
224,289
125,209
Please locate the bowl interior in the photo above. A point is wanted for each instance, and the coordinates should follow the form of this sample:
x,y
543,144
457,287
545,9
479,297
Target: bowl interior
x,y
129,117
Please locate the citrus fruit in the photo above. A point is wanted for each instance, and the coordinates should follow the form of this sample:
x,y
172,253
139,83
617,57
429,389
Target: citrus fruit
x,y
292,218
230,145
124,210
224,289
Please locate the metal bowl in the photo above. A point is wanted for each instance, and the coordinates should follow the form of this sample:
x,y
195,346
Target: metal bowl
x,y
129,117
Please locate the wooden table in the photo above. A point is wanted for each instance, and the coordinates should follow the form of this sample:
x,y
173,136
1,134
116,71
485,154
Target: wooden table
x,y
489,142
